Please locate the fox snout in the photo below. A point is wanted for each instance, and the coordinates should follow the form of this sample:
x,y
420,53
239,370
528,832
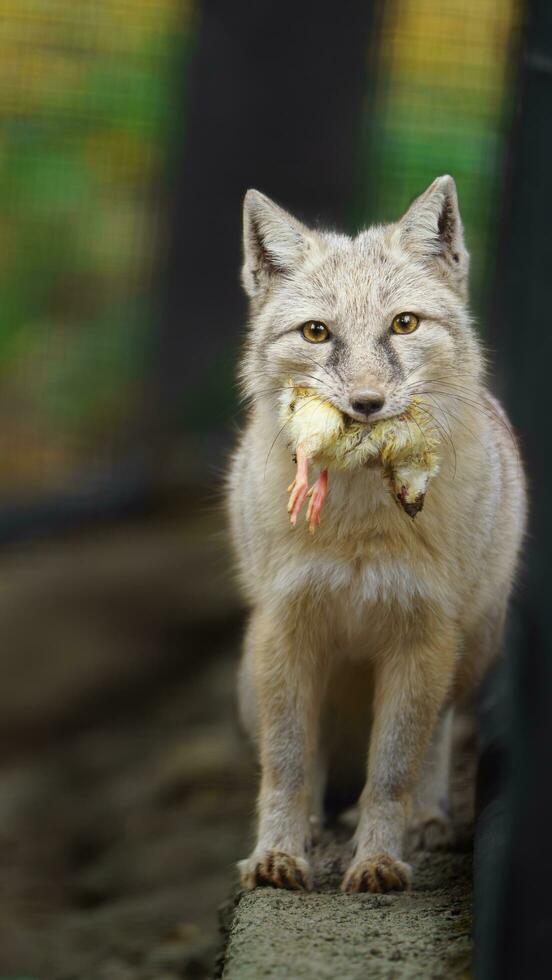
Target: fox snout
x,y
365,399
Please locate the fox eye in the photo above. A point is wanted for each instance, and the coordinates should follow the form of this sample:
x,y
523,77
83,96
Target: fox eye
x,y
405,323
315,332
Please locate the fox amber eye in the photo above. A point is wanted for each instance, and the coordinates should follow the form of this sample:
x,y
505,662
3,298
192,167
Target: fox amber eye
x,y
405,323
314,332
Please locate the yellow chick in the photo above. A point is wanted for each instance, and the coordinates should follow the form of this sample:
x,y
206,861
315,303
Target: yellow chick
x,y
404,446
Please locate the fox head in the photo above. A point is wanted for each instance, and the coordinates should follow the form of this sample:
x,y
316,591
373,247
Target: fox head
x,y
369,322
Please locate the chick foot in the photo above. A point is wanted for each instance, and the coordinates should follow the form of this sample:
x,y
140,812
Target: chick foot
x,y
298,489
317,494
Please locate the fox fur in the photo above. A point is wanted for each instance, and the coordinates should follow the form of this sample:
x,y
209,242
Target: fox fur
x,y
362,637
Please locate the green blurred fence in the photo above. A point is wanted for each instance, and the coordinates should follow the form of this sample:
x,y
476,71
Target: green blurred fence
x,y
442,102
87,106
90,96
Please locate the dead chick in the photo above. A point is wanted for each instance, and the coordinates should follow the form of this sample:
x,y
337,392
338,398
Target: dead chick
x,y
405,447
314,427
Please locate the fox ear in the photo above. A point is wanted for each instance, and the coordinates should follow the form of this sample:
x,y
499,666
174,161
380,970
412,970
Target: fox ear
x,y
273,242
432,230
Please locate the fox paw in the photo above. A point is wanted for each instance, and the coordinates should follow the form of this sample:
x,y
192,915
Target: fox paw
x,y
380,873
275,868
430,833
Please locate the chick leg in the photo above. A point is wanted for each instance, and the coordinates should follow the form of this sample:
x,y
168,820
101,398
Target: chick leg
x,y
317,495
298,489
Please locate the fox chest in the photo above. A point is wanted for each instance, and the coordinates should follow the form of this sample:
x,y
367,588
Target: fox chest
x,y
360,582
365,606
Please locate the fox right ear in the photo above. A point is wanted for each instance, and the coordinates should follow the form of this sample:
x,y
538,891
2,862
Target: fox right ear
x,y
273,242
432,230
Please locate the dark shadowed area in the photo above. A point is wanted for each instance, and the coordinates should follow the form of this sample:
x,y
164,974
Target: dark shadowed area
x,y
125,788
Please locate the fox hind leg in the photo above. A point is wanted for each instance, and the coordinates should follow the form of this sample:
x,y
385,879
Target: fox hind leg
x,y
430,827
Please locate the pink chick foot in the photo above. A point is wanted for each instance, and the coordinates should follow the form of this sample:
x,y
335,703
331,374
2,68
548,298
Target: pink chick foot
x,y
317,495
298,489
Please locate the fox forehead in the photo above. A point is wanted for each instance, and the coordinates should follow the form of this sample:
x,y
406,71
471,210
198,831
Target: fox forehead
x,y
358,281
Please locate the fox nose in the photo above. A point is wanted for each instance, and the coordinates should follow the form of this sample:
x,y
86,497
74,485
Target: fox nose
x,y
366,401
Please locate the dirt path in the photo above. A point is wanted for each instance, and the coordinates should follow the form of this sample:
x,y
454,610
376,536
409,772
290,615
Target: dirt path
x,y
125,790
118,846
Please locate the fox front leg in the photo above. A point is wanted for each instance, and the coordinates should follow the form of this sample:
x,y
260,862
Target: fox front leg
x,y
411,688
288,684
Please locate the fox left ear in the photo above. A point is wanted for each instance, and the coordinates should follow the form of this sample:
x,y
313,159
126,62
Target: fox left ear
x,y
432,230
274,242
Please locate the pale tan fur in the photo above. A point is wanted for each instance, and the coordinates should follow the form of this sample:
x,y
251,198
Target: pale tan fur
x,y
368,631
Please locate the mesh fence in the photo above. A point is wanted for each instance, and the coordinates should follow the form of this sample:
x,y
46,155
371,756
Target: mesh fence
x,y
87,110
88,100
442,102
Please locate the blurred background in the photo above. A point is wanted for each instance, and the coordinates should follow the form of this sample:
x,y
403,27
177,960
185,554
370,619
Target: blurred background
x,y
130,130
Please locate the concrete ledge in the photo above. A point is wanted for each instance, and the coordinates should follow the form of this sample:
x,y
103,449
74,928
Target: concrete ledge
x,y
421,934
417,935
